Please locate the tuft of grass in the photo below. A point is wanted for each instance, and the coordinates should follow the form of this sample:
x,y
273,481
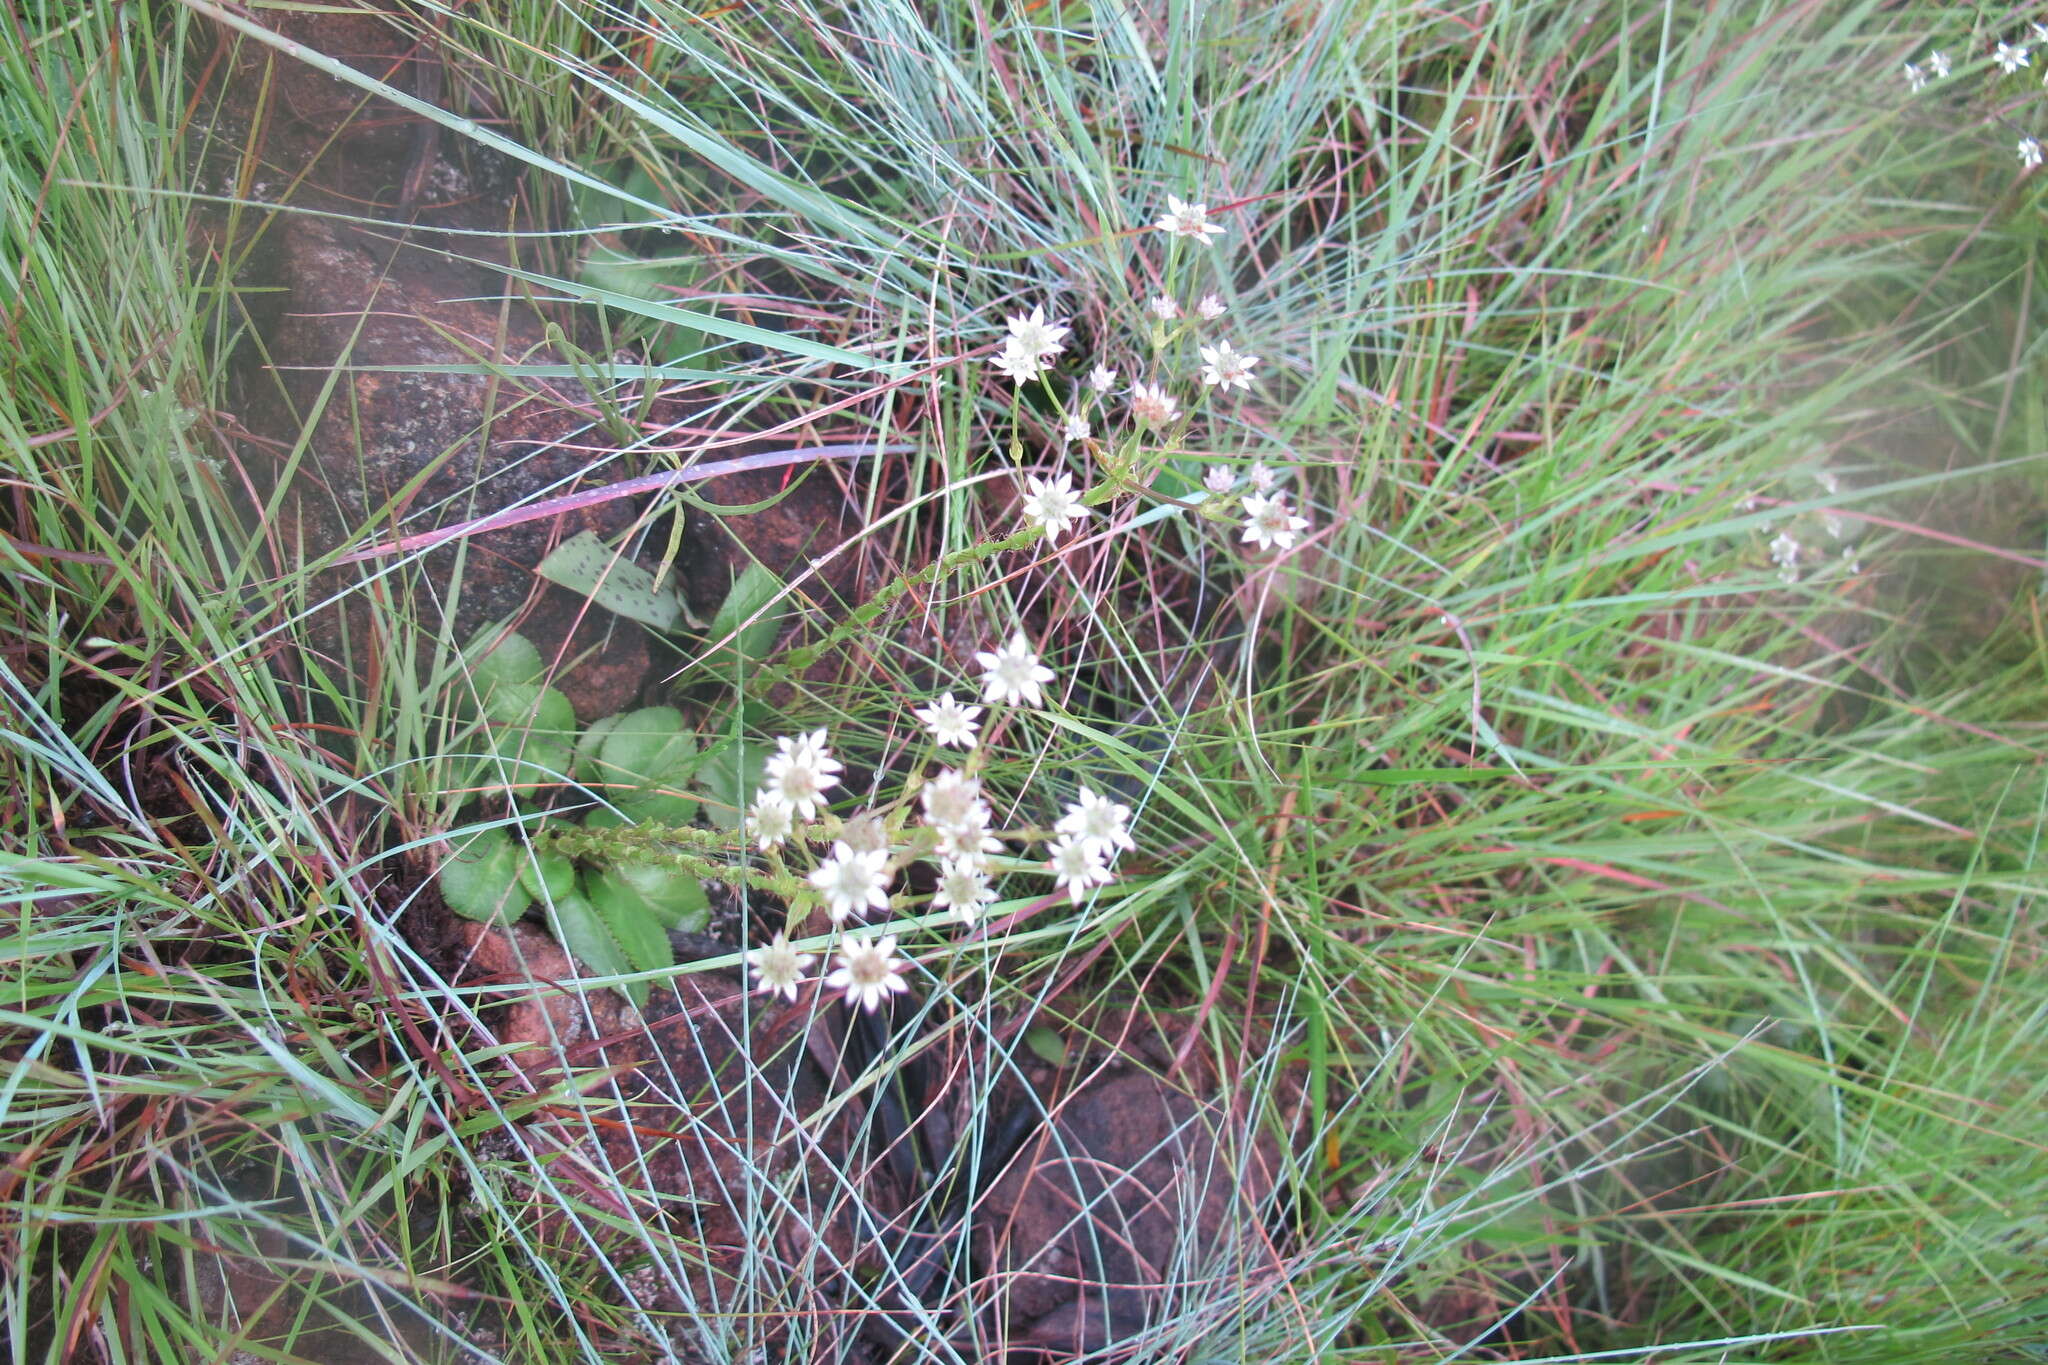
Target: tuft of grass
x,y
1631,951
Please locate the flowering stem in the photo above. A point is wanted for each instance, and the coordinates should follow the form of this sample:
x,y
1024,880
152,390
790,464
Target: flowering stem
x,y
861,617
680,846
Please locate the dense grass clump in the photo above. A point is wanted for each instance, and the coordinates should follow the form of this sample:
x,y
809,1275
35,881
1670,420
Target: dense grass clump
x,y
1603,841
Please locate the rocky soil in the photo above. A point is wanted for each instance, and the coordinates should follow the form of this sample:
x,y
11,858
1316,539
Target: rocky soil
x,y
1110,1183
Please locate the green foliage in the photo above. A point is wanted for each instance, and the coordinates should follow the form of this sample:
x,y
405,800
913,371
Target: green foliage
x,y
615,909
495,660
612,938
729,774
613,913
484,878
647,758
672,897
584,564
751,617
1661,942
546,874
529,736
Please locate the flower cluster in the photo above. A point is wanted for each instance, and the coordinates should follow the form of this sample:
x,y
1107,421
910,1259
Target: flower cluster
x,y
1917,75
851,881
1270,523
1051,503
1785,554
955,828
2010,57
1188,220
1802,547
1032,342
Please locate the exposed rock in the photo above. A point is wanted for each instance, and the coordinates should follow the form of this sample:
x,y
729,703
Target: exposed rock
x,y
809,515
1136,1197
417,451
688,1114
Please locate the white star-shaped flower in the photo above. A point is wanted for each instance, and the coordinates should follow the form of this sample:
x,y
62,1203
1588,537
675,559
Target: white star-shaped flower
x,y
1270,523
1916,79
951,797
1101,378
1013,674
1020,366
771,819
853,881
802,772
1096,819
1225,368
1219,479
868,972
1035,336
1261,477
1052,505
779,968
2030,153
1076,865
866,834
954,809
951,722
1153,405
1163,308
970,839
1074,427
1785,551
2011,57
1938,63
1183,219
1211,307
963,887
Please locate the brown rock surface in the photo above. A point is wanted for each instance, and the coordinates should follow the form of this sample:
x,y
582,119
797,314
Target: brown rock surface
x,y
809,514
700,1107
1136,1197
415,451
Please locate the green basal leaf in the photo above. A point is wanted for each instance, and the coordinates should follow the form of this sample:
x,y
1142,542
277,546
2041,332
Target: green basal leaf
x,y
512,703
547,876
640,762
673,896
589,745
494,659
481,879
503,676
535,747
556,713
729,774
591,940
648,748
585,564
1048,1044
662,808
642,935
527,759
747,614
644,808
